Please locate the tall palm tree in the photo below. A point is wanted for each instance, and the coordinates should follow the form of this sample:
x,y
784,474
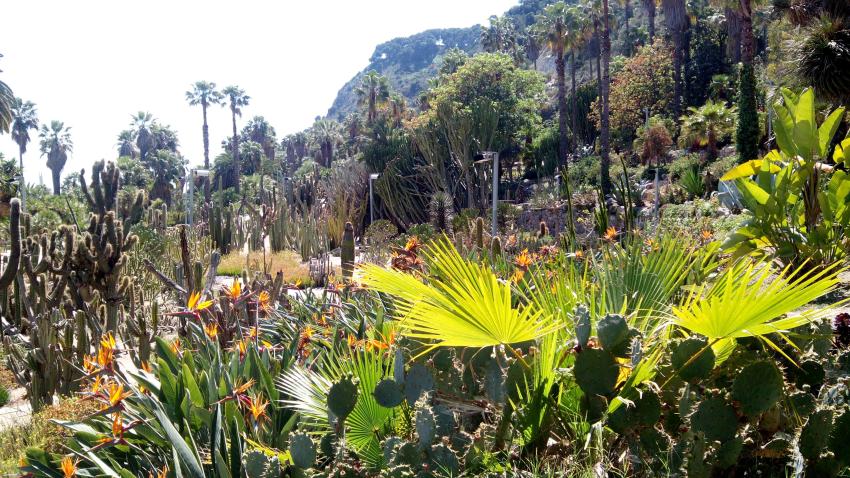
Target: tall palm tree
x,y
677,20
326,135
56,144
373,91
141,125
7,103
236,99
650,7
204,93
25,119
604,90
126,144
552,27
259,130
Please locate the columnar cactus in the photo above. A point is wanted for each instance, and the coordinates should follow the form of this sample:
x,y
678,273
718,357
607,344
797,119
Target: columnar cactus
x,y
348,251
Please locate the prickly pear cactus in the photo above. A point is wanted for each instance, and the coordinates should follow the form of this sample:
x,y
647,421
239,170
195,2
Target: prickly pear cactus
x,y
388,393
258,464
302,450
342,397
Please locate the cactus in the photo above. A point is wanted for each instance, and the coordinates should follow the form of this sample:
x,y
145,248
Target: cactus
x,y
348,251
758,387
258,464
388,393
426,426
693,368
814,435
342,397
543,230
596,371
441,210
496,247
302,450
581,317
716,419
612,331
478,233
14,262
417,380
839,445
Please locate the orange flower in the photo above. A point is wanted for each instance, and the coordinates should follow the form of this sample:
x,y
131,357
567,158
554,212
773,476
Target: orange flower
x,y
257,407
517,276
97,384
706,235
163,473
89,365
523,260
241,389
579,254
146,366
234,291
241,347
263,301
176,346
307,333
196,305
610,234
117,394
117,426
211,330
412,244
69,467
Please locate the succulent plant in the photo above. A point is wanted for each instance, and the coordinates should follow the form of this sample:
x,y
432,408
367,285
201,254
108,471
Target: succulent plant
x,y
342,397
716,419
694,359
596,371
302,450
388,393
758,387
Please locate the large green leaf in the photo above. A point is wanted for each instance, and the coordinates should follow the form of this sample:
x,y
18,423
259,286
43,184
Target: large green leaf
x,y
827,131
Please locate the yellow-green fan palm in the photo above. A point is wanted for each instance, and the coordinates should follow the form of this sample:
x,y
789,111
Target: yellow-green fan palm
x,y
744,302
461,305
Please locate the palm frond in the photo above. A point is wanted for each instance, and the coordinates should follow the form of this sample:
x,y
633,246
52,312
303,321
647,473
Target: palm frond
x,y
463,305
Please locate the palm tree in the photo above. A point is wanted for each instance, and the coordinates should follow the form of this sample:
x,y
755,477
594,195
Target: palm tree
x,y
677,20
501,37
236,98
126,144
326,135
374,90
604,90
56,144
141,124
7,103
204,93
552,27
707,125
25,119
259,130
649,6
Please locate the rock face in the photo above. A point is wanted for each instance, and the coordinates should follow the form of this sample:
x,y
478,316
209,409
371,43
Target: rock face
x,y
408,63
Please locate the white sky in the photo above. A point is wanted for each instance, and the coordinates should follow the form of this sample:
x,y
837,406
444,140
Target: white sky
x,y
93,63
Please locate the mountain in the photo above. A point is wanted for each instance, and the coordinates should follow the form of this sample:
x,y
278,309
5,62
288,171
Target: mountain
x,y
408,63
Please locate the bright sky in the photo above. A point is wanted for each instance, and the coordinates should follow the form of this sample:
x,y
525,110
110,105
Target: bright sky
x,y
94,63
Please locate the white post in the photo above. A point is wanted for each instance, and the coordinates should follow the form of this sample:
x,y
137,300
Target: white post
x,y
190,201
372,177
494,227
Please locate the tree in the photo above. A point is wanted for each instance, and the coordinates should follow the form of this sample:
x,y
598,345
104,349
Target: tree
x,y
501,37
260,131
822,56
373,91
56,144
126,144
326,135
706,125
25,119
237,99
604,90
204,93
650,7
141,124
553,29
7,103
677,20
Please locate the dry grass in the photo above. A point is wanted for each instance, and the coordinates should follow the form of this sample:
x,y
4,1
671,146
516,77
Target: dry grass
x,y
41,432
288,261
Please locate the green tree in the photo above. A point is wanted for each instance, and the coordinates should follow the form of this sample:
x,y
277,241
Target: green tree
x,y
326,135
7,103
706,125
553,27
56,144
373,91
25,119
259,130
141,125
501,37
127,144
236,99
205,94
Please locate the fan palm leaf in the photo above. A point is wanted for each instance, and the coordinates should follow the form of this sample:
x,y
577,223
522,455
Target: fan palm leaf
x,y
463,305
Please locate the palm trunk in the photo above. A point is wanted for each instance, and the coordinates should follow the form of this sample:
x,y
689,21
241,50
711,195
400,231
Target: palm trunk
x,y
650,18
677,73
23,184
206,153
574,101
628,42
748,133
57,181
562,106
237,164
747,37
598,36
605,163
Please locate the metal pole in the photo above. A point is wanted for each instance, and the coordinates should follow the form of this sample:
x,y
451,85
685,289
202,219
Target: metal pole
x,y
494,227
371,203
190,204
22,187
